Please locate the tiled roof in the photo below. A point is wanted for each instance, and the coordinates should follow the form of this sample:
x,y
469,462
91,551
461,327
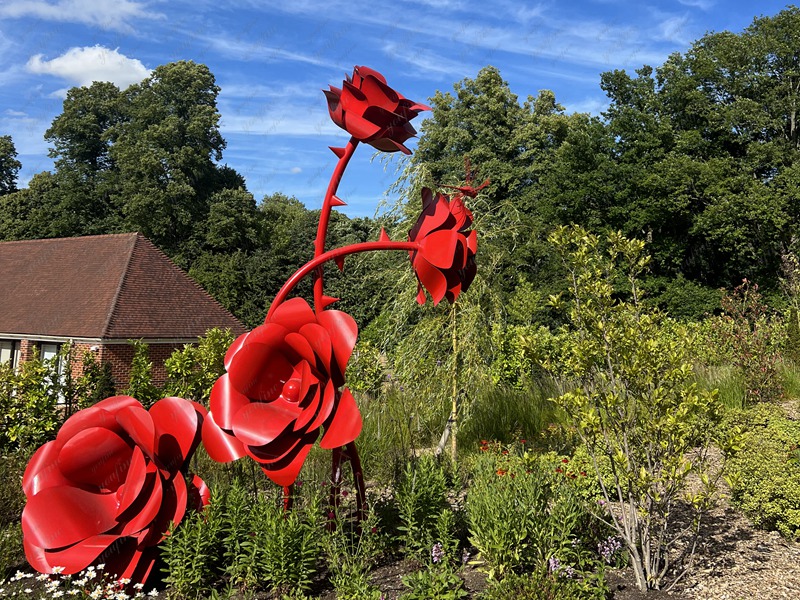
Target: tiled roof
x,y
102,286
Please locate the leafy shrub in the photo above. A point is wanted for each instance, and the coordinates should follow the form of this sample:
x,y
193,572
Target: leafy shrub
x,y
249,539
421,498
366,369
192,371
28,400
632,400
522,512
433,584
140,383
11,552
765,473
541,585
350,551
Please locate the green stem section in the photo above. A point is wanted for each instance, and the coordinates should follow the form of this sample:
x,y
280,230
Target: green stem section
x,y
315,265
325,214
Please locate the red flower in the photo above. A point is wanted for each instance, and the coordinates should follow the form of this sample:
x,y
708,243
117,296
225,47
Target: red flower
x,y
445,261
372,112
108,487
281,388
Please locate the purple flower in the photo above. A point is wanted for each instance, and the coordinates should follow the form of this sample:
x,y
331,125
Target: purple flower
x,y
437,553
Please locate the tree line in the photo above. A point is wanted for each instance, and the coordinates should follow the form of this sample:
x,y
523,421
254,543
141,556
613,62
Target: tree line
x,y
697,156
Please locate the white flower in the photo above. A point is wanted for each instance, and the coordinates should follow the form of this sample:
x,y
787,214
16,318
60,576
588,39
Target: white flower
x,y
153,593
57,594
42,576
91,574
97,593
58,570
81,582
74,592
121,596
101,566
138,586
27,590
124,581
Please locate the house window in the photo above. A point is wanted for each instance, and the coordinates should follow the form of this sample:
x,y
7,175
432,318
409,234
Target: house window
x,y
9,352
49,352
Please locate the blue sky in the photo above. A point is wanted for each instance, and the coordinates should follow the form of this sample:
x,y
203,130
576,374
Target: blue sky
x,y
271,59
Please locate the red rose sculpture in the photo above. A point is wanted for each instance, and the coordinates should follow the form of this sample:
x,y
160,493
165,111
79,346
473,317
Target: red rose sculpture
x,y
108,487
372,112
445,261
281,388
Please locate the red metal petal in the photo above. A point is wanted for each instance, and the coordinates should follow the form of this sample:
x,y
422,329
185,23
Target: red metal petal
x,y
259,371
431,278
129,491
137,423
234,348
96,456
300,344
221,447
287,475
293,314
320,340
199,494
42,470
345,426
439,248
326,406
310,408
147,506
259,424
177,424
62,516
343,332
226,401
364,72
72,559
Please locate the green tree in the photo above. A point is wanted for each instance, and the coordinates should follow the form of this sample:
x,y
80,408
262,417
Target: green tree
x,y
9,165
634,405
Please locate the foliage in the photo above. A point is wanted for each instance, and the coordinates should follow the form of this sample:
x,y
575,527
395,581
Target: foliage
x,y
523,511
140,382
540,585
28,401
187,556
366,370
507,415
433,584
633,403
11,551
751,336
9,165
350,550
421,498
765,472
191,372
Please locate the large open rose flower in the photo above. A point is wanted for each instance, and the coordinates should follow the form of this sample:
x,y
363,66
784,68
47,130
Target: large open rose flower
x,y
445,261
372,112
108,487
281,390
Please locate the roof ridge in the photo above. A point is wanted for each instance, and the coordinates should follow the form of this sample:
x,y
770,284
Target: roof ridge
x,y
113,308
185,274
61,239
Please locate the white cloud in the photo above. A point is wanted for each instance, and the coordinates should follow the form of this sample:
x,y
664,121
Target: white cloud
x,y
82,66
295,170
701,4
106,14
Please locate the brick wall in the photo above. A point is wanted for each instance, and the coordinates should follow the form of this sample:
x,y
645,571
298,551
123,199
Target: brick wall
x,y
121,355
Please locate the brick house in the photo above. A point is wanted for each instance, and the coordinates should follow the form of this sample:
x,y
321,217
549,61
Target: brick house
x,y
97,293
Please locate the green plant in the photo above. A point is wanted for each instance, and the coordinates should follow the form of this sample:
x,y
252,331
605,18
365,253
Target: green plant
x,y
28,400
140,384
541,585
188,555
288,543
192,371
421,497
367,368
633,401
433,584
522,511
755,346
350,550
765,472
11,552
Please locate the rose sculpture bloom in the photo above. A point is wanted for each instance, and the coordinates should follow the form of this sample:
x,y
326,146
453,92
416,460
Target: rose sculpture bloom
x,y
445,261
108,487
372,112
281,388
